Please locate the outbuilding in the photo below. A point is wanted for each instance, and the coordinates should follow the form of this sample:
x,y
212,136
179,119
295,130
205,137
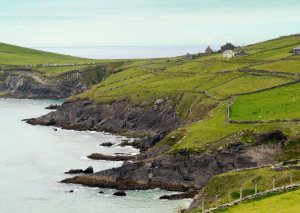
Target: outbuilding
x,y
296,50
208,50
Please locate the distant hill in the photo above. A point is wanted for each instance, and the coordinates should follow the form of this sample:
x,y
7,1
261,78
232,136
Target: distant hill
x,y
15,55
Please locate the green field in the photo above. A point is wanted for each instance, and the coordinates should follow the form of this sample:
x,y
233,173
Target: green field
x,y
285,202
214,131
288,65
279,103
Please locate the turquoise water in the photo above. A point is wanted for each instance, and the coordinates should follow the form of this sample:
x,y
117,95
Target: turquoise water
x,y
34,158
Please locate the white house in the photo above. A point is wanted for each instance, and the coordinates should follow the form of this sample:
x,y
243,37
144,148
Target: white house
x,y
228,54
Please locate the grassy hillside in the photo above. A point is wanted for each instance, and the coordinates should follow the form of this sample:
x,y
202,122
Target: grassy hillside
x,y
285,202
45,62
203,88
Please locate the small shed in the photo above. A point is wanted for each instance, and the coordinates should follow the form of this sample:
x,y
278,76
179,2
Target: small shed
x,y
208,50
242,53
189,56
296,50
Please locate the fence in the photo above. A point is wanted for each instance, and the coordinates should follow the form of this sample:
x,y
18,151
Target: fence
x,y
243,195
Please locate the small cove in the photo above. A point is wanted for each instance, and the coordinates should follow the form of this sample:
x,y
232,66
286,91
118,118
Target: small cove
x,y
34,158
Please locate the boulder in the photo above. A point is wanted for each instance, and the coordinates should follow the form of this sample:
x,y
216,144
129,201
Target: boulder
x,y
165,197
120,193
89,170
106,144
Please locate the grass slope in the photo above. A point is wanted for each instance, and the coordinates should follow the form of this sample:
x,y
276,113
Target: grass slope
x,y
226,187
279,103
14,55
47,63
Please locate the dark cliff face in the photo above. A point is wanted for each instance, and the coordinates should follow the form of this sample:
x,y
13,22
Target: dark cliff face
x,y
25,83
180,172
153,122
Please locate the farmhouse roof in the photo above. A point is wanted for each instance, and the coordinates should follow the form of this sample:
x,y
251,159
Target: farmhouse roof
x,y
227,46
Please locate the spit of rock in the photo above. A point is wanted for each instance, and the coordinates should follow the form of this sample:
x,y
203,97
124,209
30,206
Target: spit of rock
x,y
97,156
88,170
74,171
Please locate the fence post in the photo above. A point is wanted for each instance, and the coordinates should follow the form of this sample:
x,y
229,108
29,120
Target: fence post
x,y
291,179
255,189
241,193
229,196
273,182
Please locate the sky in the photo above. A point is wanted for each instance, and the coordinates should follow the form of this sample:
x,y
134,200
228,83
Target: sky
x,y
67,23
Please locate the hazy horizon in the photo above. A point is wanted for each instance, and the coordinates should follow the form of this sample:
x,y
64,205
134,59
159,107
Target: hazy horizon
x,y
70,23
126,52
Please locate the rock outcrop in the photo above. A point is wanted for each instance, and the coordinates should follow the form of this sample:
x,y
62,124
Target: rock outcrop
x,y
180,172
152,122
27,83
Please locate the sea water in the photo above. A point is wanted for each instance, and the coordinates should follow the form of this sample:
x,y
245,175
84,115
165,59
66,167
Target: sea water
x,y
33,160
126,52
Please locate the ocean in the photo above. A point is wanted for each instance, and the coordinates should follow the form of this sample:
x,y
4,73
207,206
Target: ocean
x,y
33,160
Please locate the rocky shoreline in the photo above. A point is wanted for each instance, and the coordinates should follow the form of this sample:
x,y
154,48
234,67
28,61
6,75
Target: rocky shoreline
x,y
178,172
151,123
154,167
